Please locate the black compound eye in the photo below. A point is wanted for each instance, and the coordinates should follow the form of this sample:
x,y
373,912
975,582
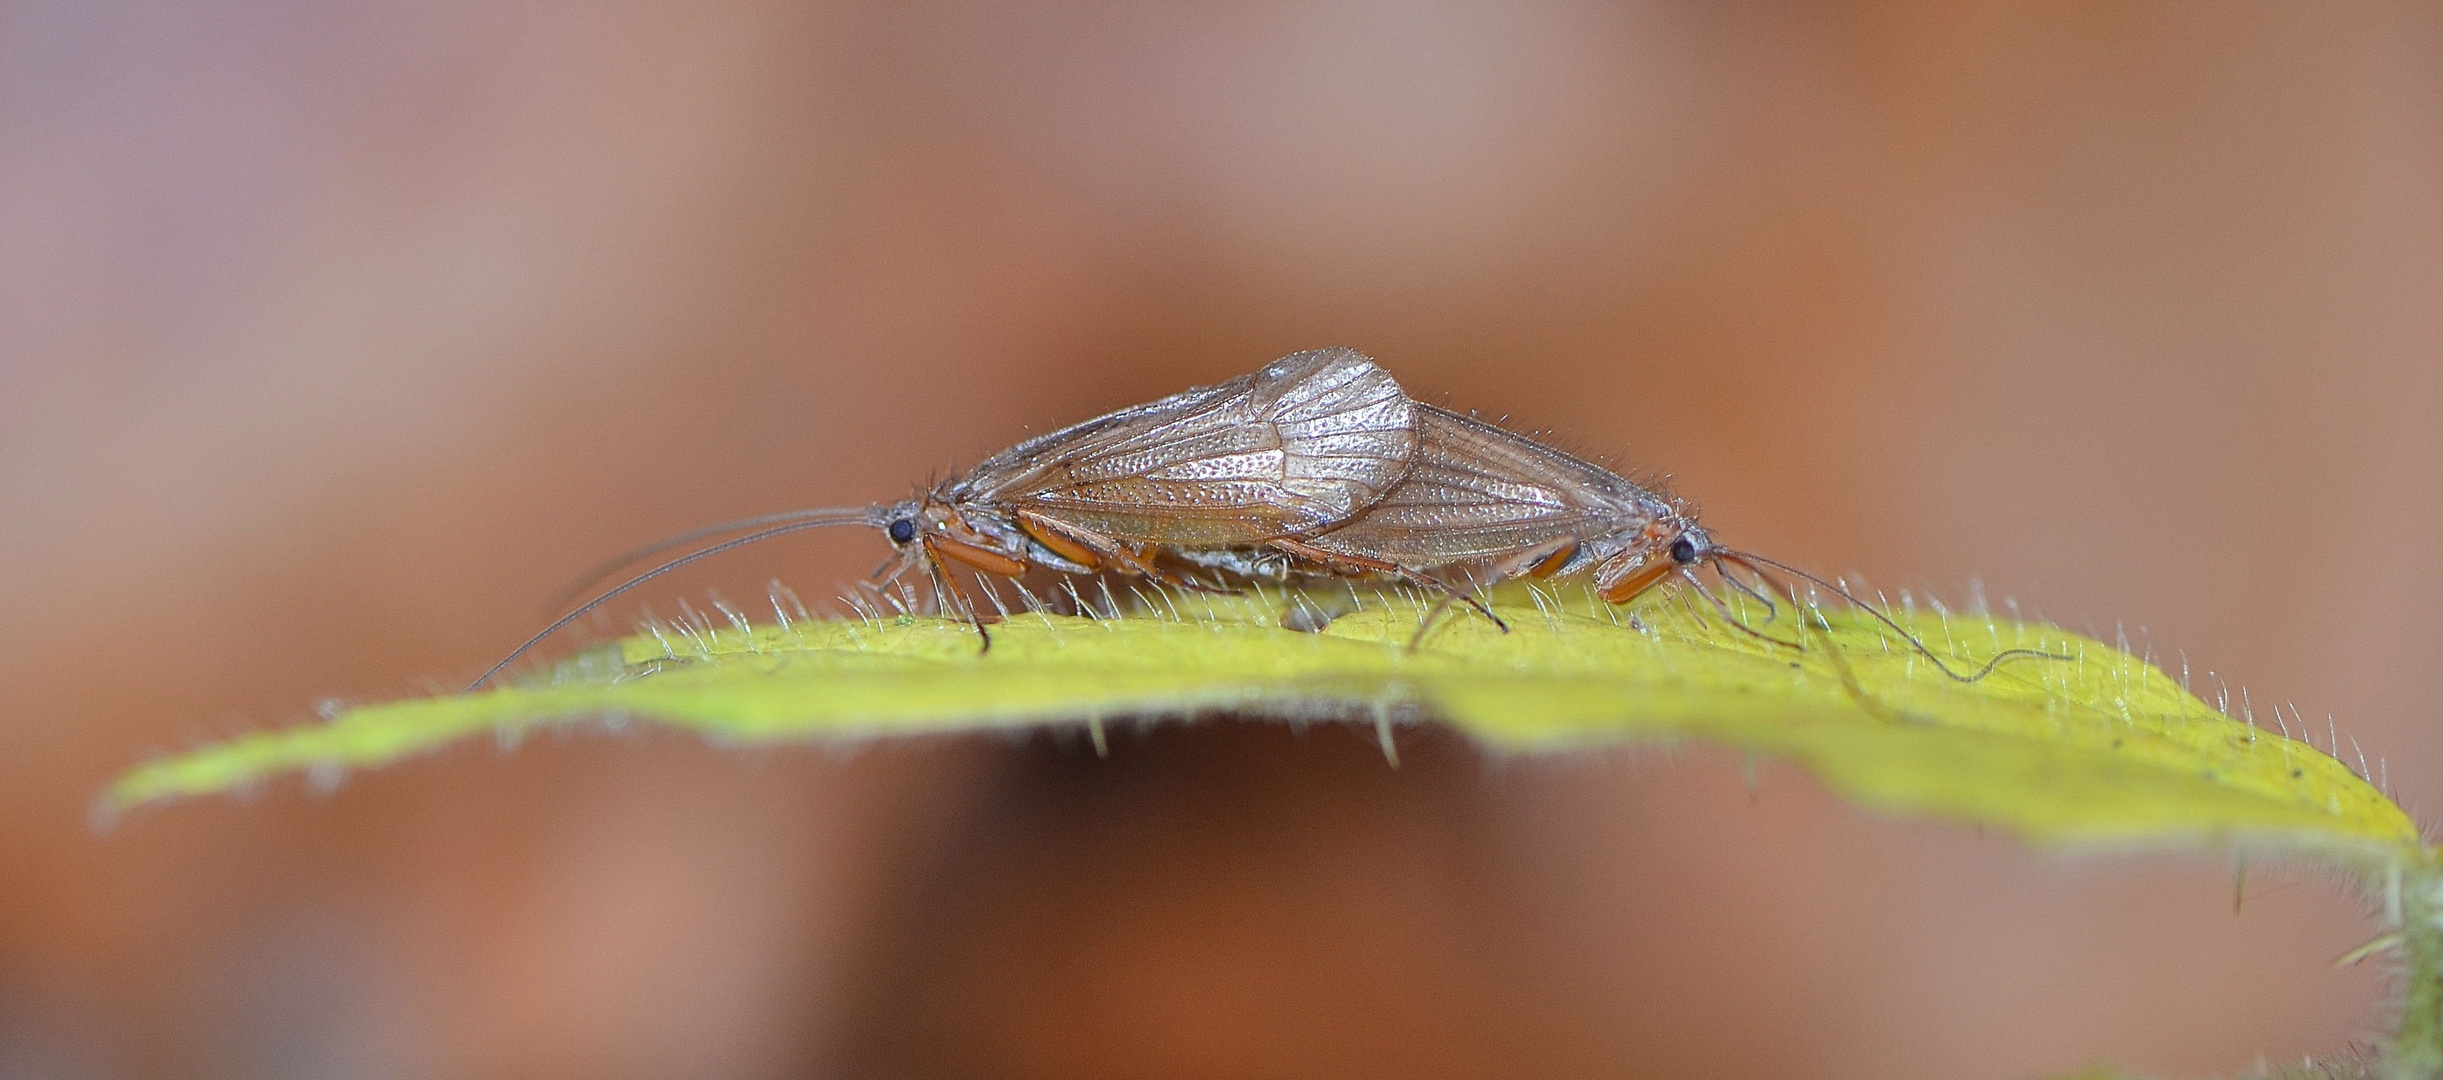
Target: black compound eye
x,y
1683,552
902,530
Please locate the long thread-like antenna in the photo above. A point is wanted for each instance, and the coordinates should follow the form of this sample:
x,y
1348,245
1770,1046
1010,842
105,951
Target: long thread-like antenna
x,y
1750,561
1803,613
611,565
843,515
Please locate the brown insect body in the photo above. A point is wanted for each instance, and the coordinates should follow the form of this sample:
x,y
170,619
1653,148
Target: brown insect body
x,y
1292,449
1483,505
1487,504
1315,465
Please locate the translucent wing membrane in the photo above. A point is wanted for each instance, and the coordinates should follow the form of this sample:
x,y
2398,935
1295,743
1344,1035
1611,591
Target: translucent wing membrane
x,y
1496,504
1295,447
1291,449
1478,491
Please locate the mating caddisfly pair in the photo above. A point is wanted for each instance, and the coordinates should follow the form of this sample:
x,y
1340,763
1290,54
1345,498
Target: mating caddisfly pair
x,y
1318,465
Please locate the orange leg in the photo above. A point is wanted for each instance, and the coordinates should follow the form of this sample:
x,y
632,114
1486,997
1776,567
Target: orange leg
x,y
939,550
984,559
1551,564
1053,535
1628,588
1092,549
1539,562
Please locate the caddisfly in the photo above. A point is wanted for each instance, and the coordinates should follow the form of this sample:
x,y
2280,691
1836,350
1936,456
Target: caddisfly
x,y
1291,450
1484,505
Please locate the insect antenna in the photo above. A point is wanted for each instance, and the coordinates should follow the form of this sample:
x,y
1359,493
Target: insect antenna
x,y
611,565
835,516
1749,562
1809,622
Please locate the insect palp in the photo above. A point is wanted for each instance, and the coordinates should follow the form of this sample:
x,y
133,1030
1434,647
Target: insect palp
x,y
1722,607
1772,611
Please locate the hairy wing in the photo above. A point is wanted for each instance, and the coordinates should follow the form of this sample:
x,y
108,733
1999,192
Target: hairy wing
x,y
1291,449
1479,491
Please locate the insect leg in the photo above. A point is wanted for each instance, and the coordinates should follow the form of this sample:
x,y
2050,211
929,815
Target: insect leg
x,y
1538,562
1442,603
985,560
1090,550
946,584
1360,565
1095,551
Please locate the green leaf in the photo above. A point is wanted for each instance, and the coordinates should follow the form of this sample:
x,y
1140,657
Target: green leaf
x,y
2099,748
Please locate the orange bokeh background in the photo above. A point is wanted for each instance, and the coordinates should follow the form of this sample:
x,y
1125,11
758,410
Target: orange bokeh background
x,y
334,336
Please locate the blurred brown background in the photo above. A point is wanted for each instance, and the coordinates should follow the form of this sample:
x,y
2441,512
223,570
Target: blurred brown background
x,y
333,336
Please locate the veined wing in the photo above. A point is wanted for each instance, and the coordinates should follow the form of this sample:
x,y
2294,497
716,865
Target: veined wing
x,y
1479,491
1293,448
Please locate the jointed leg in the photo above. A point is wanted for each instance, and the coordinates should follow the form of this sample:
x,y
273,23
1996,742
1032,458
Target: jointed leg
x,y
1096,551
946,584
1361,566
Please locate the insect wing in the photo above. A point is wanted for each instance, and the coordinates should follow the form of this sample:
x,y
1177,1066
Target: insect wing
x,y
1479,491
1296,447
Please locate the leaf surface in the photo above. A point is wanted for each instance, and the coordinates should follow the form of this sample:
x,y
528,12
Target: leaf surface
x,y
2100,748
